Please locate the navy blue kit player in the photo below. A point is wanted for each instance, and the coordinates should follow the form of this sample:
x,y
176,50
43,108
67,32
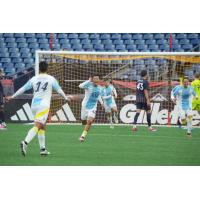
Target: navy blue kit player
x,y
143,100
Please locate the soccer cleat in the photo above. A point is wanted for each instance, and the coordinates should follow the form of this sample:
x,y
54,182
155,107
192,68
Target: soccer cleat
x,y
82,139
44,152
111,126
23,147
152,129
3,127
134,129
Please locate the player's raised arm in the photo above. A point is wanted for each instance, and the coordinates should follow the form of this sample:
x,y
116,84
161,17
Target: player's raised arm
x,y
85,84
24,88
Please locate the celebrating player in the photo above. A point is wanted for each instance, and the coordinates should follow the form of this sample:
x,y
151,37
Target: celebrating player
x,y
143,100
42,85
2,116
109,96
196,86
183,96
93,92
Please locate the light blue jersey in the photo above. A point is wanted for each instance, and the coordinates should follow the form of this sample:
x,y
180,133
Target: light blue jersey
x,y
108,95
184,96
92,95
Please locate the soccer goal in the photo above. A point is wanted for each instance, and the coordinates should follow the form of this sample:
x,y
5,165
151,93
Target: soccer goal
x,y
165,70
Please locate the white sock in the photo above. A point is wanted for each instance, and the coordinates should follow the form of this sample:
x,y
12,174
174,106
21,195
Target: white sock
x,y
41,139
115,116
31,134
109,118
189,125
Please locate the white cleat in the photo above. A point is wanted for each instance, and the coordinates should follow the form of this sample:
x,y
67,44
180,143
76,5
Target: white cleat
x,y
116,120
111,126
82,139
44,153
23,147
3,127
151,129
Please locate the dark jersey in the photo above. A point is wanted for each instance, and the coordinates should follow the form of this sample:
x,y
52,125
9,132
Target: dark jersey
x,y
141,85
1,93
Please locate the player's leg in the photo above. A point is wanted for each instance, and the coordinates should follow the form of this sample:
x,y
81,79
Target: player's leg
x,y
108,115
148,112
115,114
90,119
189,122
138,107
2,117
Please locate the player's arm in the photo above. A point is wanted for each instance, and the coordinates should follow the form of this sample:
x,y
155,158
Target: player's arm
x,y
24,88
59,90
194,93
85,84
114,92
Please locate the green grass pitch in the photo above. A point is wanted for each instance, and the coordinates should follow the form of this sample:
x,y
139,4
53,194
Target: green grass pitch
x,y
104,146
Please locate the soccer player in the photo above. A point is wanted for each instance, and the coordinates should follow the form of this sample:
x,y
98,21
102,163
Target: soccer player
x,y
93,92
143,100
183,96
2,115
196,86
42,85
109,95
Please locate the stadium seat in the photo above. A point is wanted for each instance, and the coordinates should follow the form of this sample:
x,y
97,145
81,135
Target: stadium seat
x,y
20,65
3,50
49,35
158,36
147,36
108,47
2,45
5,65
181,36
74,41
43,41
20,40
126,36
161,41
29,35
66,46
4,55
187,47
94,36
13,50
184,41
31,40
104,36
5,60
115,36
106,41
44,46
10,70
76,46
192,36
120,47
28,60
87,46
176,47
64,41
195,41
33,45
40,35
142,47
72,36
62,36
25,55
139,42
22,45
150,41
136,36
115,42
131,47
83,36
11,40
14,55
96,41
16,60
98,47
126,42
8,35
85,41
153,47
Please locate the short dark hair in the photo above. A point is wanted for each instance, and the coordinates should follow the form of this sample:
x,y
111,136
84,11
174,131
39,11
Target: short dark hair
x,y
43,66
95,75
185,78
197,75
143,73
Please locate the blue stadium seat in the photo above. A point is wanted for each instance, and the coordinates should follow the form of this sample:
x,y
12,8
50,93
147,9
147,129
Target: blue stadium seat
x,y
26,55
128,42
142,47
158,36
44,46
87,46
1,40
115,36
139,42
72,36
187,47
66,46
85,41
162,41
147,36
104,36
192,36
19,35
5,60
10,70
49,35
131,47
108,47
153,47
126,36
61,36
83,36
11,45
74,41
43,41
118,42
33,45
40,35
28,61
5,65
11,40
184,41
94,36
20,65
106,41
120,47
31,40
64,41
175,47
14,55
150,41
98,47
13,50
4,55
181,36
195,41
29,35
76,46
3,50
136,36
16,60
7,35
22,45
20,40
96,41
2,45
56,46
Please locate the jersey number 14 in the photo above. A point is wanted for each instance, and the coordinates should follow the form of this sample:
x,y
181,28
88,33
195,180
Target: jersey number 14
x,y
41,87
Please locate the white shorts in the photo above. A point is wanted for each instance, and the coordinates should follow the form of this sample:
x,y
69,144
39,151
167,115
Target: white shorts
x,y
108,108
87,113
184,113
40,113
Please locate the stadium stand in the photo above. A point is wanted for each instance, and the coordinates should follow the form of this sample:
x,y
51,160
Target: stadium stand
x,y
17,50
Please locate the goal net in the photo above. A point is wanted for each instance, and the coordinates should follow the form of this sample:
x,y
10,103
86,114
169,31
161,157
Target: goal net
x,y
165,70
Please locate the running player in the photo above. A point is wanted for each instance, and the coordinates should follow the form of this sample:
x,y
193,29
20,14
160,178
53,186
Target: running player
x,y
93,92
143,100
42,85
196,86
2,115
109,96
183,96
